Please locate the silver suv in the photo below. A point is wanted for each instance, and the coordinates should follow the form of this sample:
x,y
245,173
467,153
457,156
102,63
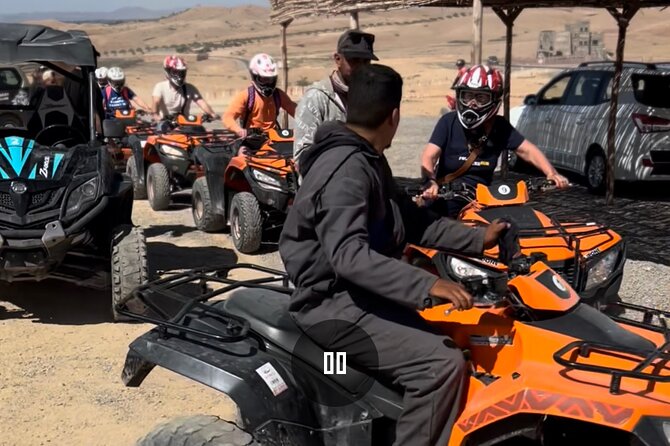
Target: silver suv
x,y
567,120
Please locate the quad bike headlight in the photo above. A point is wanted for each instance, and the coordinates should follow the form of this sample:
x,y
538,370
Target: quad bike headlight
x,y
602,268
81,195
462,269
266,180
172,152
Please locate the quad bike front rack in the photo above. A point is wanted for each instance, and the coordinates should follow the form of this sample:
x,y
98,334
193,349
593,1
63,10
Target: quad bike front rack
x,y
171,302
568,356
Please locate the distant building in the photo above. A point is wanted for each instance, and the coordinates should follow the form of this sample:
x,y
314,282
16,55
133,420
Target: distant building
x,y
576,41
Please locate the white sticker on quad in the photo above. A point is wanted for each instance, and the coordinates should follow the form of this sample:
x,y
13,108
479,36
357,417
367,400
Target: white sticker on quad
x,y
504,189
272,378
285,133
558,283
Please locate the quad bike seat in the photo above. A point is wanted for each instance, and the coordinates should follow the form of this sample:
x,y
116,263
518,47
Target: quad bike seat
x,y
267,313
524,216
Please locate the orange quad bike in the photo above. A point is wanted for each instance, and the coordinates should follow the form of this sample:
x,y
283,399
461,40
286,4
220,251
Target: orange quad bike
x,y
543,367
119,128
164,164
589,256
250,184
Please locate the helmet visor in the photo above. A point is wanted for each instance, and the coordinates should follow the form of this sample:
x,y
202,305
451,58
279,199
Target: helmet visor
x,y
266,81
475,99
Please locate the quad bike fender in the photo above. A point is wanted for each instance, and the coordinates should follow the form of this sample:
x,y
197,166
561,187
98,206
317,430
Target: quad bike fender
x,y
260,385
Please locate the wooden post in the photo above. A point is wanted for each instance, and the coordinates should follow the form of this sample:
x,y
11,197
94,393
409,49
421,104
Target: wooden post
x,y
477,18
353,20
623,19
284,59
508,16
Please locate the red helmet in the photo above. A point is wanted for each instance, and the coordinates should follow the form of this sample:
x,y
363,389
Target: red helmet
x,y
478,94
175,70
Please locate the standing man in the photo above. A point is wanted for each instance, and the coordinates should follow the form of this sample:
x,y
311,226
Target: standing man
x,y
341,246
326,100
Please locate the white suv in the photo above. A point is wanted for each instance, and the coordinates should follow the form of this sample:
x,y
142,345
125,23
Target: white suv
x,y
567,119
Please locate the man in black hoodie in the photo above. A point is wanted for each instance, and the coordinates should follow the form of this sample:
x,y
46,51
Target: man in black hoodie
x,y
341,246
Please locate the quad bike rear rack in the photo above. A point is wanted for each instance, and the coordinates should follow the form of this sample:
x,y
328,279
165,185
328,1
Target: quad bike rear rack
x,y
170,307
658,358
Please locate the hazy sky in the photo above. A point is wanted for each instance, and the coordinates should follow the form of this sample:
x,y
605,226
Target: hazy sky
x,y
11,7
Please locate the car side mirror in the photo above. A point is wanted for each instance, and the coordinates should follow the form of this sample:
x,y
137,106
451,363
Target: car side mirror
x,y
531,99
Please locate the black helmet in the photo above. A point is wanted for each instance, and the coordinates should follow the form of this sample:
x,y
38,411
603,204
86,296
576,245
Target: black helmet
x,y
460,63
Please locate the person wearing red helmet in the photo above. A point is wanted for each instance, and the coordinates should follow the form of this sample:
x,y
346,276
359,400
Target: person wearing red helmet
x,y
258,106
466,144
174,95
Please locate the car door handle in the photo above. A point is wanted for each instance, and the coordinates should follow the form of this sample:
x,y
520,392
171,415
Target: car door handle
x,y
580,121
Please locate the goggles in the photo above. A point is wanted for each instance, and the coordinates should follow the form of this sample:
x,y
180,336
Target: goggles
x,y
475,98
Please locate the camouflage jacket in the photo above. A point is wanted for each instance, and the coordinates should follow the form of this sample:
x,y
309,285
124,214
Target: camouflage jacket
x,y
318,104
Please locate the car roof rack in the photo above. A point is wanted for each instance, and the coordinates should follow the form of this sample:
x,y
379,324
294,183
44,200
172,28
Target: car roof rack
x,y
648,65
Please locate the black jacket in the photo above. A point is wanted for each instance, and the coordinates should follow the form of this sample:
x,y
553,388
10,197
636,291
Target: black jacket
x,y
348,226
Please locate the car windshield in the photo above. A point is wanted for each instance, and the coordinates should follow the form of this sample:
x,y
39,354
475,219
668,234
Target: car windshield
x,y
652,90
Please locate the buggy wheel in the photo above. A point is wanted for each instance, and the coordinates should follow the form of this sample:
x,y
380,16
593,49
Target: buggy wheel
x,y
596,172
204,216
197,430
246,223
158,187
129,266
139,190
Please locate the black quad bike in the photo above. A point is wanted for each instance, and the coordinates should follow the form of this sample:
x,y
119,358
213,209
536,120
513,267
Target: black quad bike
x,y
543,368
65,213
163,163
249,183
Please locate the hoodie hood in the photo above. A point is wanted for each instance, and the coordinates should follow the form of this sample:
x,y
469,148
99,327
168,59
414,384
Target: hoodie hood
x,y
331,135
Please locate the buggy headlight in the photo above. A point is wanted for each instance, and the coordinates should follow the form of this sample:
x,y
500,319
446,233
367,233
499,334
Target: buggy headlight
x,y
602,269
463,269
266,180
82,194
172,152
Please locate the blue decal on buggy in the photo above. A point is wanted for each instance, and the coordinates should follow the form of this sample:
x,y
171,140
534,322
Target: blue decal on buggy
x,y
33,172
17,157
57,160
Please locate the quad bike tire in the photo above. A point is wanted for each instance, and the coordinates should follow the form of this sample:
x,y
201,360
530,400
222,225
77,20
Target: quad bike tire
x,y
129,267
246,222
596,172
197,430
158,187
204,217
139,190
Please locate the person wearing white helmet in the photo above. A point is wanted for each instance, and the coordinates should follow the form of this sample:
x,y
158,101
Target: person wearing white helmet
x,y
174,95
116,96
101,77
258,106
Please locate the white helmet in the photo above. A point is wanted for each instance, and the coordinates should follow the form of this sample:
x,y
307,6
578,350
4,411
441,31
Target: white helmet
x,y
263,70
116,77
101,75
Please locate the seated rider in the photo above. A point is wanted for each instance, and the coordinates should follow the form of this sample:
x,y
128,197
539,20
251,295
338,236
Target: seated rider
x,y
174,96
116,96
258,106
341,245
467,143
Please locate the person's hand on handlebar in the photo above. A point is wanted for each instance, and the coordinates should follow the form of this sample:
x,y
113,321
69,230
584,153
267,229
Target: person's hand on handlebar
x,y
559,180
452,292
431,191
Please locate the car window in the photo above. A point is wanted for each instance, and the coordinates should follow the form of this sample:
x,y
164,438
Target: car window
x,y
583,89
9,78
554,92
652,90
